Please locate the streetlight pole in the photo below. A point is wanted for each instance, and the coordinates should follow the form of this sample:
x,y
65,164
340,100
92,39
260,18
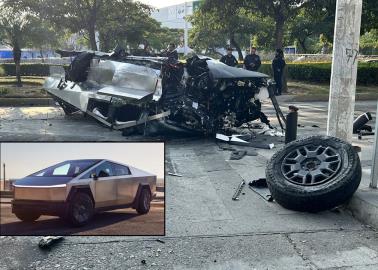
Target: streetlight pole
x,y
344,69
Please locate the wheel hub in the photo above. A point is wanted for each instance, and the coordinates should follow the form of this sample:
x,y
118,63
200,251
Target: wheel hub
x,y
311,165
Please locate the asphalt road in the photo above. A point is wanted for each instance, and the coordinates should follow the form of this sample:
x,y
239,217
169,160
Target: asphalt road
x,y
205,228
117,222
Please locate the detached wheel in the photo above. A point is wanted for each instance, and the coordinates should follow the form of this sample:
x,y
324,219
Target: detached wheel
x,y
81,209
144,203
314,174
27,216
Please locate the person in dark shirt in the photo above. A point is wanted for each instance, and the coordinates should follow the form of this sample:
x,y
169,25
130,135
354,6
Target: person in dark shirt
x,y
278,65
229,59
171,52
252,61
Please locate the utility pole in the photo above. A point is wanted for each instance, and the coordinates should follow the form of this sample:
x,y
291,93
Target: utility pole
x,y
344,69
374,168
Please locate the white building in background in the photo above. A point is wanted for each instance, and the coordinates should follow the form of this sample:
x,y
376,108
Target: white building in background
x,y
173,16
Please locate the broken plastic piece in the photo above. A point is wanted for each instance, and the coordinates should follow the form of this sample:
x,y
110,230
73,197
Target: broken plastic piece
x,y
222,137
48,241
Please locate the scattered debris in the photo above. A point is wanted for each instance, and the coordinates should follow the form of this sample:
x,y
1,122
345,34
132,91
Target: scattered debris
x,y
48,241
240,140
260,187
237,155
238,191
175,174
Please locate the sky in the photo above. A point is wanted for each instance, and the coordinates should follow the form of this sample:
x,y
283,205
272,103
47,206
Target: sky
x,y
162,3
22,159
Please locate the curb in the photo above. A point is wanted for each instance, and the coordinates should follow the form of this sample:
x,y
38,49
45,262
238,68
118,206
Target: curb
x,y
364,206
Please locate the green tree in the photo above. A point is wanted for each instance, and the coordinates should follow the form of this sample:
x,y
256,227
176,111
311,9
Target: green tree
x,y
217,18
281,12
15,29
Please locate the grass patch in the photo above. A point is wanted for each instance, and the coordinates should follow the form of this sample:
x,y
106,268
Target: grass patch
x,y
304,91
27,80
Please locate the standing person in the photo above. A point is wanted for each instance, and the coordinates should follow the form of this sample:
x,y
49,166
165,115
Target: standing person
x,y
252,61
171,52
278,65
229,59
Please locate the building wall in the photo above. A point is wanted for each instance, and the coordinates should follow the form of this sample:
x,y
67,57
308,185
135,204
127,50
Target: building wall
x,y
173,16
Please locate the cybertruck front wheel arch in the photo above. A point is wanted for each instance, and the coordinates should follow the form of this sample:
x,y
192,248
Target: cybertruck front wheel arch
x,y
80,207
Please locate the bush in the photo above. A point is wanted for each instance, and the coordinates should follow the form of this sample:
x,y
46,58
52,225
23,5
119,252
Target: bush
x,y
367,73
27,69
310,72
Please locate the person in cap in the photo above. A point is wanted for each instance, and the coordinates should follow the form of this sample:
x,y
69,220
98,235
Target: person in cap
x,y
252,61
229,59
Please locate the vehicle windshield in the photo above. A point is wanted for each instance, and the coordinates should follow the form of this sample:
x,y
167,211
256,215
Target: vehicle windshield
x,y
70,168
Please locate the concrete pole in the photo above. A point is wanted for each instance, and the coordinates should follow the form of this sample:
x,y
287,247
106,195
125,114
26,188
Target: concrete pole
x,y
344,69
186,30
374,169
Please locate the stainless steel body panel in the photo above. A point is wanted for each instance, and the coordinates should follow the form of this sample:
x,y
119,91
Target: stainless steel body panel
x,y
106,191
48,193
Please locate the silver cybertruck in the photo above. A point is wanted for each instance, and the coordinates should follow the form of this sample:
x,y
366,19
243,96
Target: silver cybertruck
x,y
128,92
76,189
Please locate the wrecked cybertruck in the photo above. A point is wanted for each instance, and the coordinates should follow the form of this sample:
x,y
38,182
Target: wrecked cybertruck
x,y
127,92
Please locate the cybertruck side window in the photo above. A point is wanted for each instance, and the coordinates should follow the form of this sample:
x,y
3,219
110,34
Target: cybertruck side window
x,y
120,170
104,170
69,168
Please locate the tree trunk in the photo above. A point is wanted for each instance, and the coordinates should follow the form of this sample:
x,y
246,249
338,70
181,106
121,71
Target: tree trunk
x,y
92,36
41,52
303,45
236,45
278,33
17,61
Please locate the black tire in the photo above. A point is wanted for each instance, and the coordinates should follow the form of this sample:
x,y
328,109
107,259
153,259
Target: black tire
x,y
144,202
27,216
81,209
321,188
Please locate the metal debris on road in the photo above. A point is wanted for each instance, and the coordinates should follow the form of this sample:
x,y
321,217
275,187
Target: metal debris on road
x,y
238,191
48,241
260,187
175,174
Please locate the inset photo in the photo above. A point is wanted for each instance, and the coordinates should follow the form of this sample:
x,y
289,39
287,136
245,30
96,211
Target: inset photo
x,y
82,189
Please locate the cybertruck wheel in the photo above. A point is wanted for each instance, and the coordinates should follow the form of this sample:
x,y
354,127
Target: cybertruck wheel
x,y
27,216
144,203
314,174
81,209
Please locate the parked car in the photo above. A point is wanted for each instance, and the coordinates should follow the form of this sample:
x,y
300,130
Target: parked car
x,y
76,189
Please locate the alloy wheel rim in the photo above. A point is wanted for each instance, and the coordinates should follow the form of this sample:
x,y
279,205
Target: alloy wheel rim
x,y
311,165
